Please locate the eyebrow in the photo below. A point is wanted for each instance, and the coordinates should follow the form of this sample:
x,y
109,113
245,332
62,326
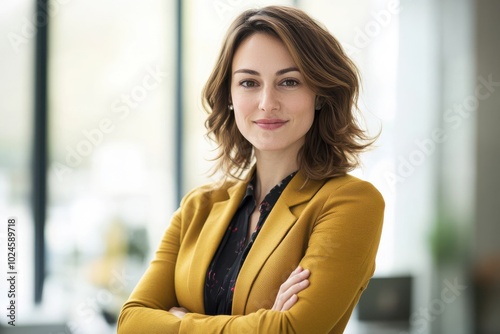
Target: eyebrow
x,y
280,72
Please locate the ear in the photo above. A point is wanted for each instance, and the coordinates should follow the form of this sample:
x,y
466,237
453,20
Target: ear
x,y
318,104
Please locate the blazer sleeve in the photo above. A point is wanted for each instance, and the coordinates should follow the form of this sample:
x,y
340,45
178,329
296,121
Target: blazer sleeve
x,y
146,309
341,256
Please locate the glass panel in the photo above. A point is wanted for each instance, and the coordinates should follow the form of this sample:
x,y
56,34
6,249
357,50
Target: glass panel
x,y
111,143
16,115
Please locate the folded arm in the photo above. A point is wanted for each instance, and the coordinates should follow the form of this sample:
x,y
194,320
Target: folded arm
x,y
340,257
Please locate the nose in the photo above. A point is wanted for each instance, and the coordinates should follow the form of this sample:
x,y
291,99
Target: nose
x,y
268,99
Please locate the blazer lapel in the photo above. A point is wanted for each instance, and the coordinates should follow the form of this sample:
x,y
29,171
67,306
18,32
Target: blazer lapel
x,y
210,237
277,225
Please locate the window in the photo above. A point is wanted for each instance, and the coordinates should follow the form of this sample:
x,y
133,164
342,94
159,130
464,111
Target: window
x,y
16,122
110,180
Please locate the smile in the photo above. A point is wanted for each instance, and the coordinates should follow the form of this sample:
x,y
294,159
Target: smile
x,y
270,124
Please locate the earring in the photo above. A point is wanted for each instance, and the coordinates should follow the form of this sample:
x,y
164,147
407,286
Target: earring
x,y
230,107
318,103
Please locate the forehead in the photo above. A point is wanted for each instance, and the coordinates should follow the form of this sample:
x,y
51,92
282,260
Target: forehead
x,y
262,51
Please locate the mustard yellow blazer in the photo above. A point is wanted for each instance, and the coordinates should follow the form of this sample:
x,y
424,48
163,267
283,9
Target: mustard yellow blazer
x,y
331,227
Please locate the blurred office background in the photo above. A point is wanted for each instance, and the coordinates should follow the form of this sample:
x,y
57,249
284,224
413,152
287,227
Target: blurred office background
x,y
101,133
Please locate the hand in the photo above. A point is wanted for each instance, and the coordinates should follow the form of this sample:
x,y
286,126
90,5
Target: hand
x,y
287,294
179,312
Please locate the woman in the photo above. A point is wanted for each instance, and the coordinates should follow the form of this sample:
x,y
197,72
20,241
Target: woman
x,y
288,242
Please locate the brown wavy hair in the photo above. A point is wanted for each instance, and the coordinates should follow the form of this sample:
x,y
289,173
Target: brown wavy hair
x,y
333,143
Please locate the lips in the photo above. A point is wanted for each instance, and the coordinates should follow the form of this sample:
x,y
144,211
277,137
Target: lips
x,y
270,124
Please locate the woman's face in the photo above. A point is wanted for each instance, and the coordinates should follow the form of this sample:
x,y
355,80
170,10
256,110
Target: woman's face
x,y
273,106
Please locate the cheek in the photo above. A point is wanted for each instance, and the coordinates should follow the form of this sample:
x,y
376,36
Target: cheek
x,y
243,103
307,115
242,110
308,121
239,118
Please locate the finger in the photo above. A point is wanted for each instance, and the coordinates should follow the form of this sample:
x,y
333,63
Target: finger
x,y
286,295
289,303
178,309
297,277
295,289
291,286
175,311
179,312
287,299
296,270
294,279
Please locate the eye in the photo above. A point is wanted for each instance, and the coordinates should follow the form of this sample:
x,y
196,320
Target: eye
x,y
248,83
290,83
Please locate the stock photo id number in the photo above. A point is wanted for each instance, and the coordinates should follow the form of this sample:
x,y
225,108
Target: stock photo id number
x,y
11,271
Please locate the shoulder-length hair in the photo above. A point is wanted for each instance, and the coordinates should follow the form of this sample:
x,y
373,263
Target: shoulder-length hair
x,y
333,143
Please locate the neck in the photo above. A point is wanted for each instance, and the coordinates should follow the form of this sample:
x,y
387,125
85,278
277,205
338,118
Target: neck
x,y
271,169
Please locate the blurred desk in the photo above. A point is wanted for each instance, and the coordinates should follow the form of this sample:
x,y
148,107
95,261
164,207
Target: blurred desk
x,y
384,307
35,329
370,327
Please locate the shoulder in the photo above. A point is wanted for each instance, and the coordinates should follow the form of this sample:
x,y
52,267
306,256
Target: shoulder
x,y
352,189
350,182
209,193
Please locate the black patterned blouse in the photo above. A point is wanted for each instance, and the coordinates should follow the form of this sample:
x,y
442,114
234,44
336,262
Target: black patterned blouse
x,y
233,249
